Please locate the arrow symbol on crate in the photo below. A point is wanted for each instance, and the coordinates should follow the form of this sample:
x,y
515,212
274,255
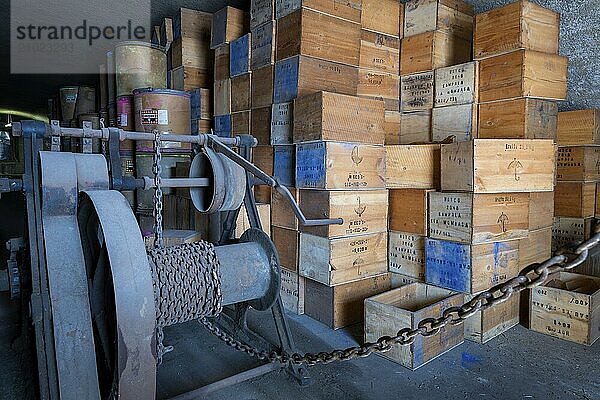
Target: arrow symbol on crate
x,y
516,164
360,209
503,219
356,158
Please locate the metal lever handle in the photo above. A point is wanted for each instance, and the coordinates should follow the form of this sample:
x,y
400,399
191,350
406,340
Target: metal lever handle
x,y
216,145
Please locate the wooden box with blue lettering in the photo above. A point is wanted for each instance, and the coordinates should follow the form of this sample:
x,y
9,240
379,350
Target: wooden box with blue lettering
x,y
470,268
263,46
567,307
301,75
239,56
340,166
499,166
223,125
228,24
282,123
405,307
284,164
261,12
469,218
201,104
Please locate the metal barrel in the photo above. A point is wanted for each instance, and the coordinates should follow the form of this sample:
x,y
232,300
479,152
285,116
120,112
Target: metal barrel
x,y
68,99
167,111
86,101
126,121
139,65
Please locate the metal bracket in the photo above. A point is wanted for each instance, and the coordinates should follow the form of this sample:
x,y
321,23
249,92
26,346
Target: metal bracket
x,y
55,144
87,137
14,246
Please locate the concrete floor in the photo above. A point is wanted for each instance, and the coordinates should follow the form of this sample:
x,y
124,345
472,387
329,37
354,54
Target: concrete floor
x,y
517,365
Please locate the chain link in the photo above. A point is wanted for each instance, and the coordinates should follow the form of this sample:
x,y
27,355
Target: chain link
x,y
530,277
158,194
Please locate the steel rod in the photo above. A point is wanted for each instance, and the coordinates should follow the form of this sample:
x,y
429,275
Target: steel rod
x,y
182,182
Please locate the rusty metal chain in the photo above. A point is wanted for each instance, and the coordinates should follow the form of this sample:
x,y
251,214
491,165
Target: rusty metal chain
x,y
530,277
187,285
158,194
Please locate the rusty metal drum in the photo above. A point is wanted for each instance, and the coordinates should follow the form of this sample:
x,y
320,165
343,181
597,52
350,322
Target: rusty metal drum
x,y
167,111
68,100
139,65
126,121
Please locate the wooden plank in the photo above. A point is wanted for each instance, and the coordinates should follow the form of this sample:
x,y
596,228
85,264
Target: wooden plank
x,y
417,91
457,84
243,223
406,255
284,164
363,212
379,86
578,127
488,324
261,12
262,193
432,50
222,63
381,16
535,248
519,25
281,211
498,165
228,24
292,292
379,52
287,242
240,123
570,231
391,127
415,127
578,163
451,16
522,118
261,125
262,157
413,166
241,93
350,10
575,199
334,262
302,33
222,95
239,56
336,117
541,210
339,165
189,78
262,87
454,123
282,123
408,211
263,46
190,52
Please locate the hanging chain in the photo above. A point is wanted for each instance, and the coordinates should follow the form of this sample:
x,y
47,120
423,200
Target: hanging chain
x,y
158,194
530,277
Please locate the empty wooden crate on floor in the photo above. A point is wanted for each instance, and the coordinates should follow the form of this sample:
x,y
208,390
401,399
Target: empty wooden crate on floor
x,y
578,127
487,324
405,307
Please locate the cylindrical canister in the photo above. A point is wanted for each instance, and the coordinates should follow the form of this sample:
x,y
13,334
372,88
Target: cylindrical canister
x,y
139,65
128,169
68,99
86,101
95,120
167,111
126,121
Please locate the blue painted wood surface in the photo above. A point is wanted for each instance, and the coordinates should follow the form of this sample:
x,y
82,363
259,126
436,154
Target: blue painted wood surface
x,y
239,56
223,125
285,85
310,165
284,166
448,265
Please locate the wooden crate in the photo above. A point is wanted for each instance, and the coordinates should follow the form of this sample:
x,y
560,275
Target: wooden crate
x,y
363,212
379,86
292,292
379,52
567,307
240,123
334,262
455,17
340,165
191,44
228,24
188,78
406,255
578,163
342,305
261,12
239,56
522,118
432,50
264,215
260,125
399,280
241,92
263,46
284,164
222,63
223,125
535,248
391,127
415,127
262,193
350,10
405,307
570,231
457,84
282,123
413,166
300,75
575,199
262,157
262,87
287,242
302,33
201,126
519,25
597,213
222,96
470,268
541,210
281,211
417,91
381,16
485,325
189,52
408,210
469,218
454,123
498,165
523,73
337,117
578,127
201,104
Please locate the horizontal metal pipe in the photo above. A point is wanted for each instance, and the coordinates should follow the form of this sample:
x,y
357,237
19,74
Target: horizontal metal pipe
x,y
178,182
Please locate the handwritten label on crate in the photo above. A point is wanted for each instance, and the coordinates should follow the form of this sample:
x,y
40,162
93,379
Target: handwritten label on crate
x,y
261,12
263,46
407,255
417,92
282,123
285,164
285,88
223,125
448,264
292,291
456,85
310,165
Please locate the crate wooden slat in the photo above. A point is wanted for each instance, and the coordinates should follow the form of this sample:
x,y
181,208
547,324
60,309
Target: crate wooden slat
x,y
432,50
228,24
570,231
342,305
381,16
222,63
575,199
541,210
578,163
379,86
578,127
391,127
241,92
350,10
263,158
260,125
519,25
417,91
536,247
336,117
470,268
240,123
567,307
454,17
334,262
404,307
239,56
262,193
399,280
284,164
281,212
413,166
282,123
264,214
523,73
262,87
188,78
340,166
263,46
406,255
522,118
363,211
287,242
379,52
191,39
454,123
408,211
201,126
415,127
292,291
498,165
469,218
222,97
485,325
201,104
457,84
188,52
261,12
302,33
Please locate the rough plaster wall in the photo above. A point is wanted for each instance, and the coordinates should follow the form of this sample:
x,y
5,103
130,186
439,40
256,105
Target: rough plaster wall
x,y
579,40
